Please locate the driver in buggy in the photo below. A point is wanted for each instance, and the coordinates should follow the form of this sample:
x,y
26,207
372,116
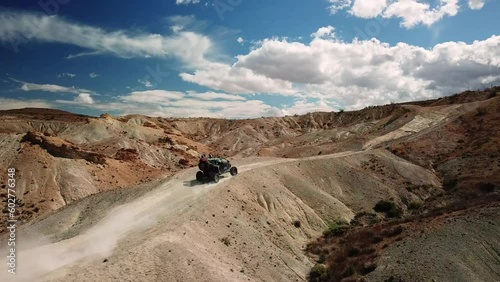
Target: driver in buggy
x,y
217,164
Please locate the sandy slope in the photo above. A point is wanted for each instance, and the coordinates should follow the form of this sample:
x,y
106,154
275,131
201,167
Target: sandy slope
x,y
70,157
168,200
462,246
176,231
240,229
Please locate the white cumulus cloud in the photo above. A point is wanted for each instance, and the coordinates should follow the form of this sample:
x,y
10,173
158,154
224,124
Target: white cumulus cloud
x,y
224,77
338,5
410,12
145,82
413,12
8,104
189,104
362,73
368,8
324,74
84,98
186,2
476,4
214,95
153,96
27,86
327,31
18,28
66,74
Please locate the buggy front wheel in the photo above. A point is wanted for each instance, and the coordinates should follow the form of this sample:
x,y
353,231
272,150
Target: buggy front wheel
x,y
233,171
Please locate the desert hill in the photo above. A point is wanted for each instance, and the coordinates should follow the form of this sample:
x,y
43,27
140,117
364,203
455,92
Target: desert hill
x,y
113,198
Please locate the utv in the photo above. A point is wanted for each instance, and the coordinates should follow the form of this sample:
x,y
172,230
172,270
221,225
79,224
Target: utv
x,y
213,168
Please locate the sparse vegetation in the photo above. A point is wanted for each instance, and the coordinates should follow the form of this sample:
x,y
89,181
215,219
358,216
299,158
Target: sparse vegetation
x,y
127,154
297,223
449,183
226,241
166,140
391,120
487,187
336,228
364,218
391,232
346,251
318,274
150,124
390,209
414,205
352,254
481,112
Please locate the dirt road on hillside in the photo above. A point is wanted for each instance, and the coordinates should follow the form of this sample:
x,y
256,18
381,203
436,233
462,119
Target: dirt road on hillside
x,y
168,200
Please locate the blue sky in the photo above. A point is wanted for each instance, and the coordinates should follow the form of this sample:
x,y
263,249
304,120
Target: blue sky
x,y
242,58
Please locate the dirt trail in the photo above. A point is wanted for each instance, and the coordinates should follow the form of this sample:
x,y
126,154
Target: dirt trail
x,y
425,120
168,200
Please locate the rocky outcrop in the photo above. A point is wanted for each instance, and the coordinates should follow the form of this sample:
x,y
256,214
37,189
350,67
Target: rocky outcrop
x,y
62,149
127,154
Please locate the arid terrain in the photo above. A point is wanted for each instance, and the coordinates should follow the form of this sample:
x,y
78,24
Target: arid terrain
x,y
401,192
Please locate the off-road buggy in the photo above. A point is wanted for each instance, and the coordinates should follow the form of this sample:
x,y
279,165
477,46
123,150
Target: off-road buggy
x,y
213,168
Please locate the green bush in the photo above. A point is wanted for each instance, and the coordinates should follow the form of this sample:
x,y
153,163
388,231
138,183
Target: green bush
x,y
318,274
226,241
487,187
389,208
394,231
336,228
415,205
297,223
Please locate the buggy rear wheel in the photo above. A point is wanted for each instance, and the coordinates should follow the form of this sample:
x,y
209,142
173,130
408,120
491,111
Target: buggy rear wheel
x,y
200,175
215,177
233,171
